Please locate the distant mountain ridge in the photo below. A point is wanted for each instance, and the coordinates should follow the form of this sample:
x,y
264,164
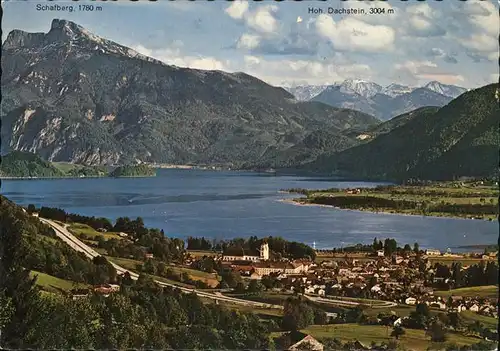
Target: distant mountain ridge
x,y
459,139
381,102
70,95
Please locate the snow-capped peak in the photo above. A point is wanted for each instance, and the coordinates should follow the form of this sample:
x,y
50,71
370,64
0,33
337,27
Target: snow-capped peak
x,y
445,89
361,87
395,89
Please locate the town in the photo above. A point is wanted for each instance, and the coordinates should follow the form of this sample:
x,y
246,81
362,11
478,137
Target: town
x,y
399,293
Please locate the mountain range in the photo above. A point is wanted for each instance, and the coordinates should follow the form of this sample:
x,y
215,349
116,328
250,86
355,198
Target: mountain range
x,y
70,95
459,139
374,99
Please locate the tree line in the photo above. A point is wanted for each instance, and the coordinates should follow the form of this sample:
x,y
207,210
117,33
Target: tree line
x,y
141,315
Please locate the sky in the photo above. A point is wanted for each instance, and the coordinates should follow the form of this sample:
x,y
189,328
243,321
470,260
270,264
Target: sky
x,y
283,43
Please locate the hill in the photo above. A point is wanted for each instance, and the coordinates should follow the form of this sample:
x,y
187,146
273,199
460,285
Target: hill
x,y
133,171
69,95
25,164
460,139
19,164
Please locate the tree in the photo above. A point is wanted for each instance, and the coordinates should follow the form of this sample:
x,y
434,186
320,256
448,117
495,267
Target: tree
x,y
437,332
297,314
407,248
455,320
416,248
422,309
254,287
19,288
397,331
31,209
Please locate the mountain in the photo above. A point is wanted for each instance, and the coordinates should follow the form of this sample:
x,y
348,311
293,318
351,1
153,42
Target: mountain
x,y
452,91
305,92
69,95
381,105
360,87
394,89
459,139
381,102
23,164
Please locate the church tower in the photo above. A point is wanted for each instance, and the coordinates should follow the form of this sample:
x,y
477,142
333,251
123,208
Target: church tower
x,y
264,251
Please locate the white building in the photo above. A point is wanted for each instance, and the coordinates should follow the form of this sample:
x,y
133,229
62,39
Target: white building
x,y
432,252
411,301
264,255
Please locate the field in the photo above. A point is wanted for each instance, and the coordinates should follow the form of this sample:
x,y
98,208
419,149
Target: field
x,y
82,229
54,284
362,257
440,200
412,340
201,253
488,291
131,265
471,317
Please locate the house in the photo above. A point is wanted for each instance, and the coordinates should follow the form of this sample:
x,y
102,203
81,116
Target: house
x,y
102,230
255,275
35,214
432,252
411,301
380,253
398,322
123,235
298,341
474,308
321,292
149,256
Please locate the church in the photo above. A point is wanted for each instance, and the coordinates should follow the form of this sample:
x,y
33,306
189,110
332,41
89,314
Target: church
x,y
263,255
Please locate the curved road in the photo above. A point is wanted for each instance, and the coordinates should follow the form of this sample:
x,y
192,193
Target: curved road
x,y
77,245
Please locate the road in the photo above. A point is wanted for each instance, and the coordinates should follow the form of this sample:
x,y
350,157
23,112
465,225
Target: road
x,y
346,303
77,245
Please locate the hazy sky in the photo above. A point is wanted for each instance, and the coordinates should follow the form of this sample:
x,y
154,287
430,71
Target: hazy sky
x,y
455,42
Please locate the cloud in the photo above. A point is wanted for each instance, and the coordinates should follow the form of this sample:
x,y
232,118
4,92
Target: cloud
x,y
420,72
237,9
297,39
440,53
482,43
423,21
174,56
483,15
262,19
350,34
293,72
248,41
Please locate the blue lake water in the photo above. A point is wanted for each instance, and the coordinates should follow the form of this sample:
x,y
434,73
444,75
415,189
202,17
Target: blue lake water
x,y
239,204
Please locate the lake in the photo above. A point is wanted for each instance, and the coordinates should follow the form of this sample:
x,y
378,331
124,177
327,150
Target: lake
x,y
240,204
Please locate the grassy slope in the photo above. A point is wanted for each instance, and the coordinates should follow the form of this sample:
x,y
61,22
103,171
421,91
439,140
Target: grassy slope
x,y
54,284
488,291
78,229
413,339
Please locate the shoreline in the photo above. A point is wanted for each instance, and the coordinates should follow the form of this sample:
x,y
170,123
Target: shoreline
x,y
298,203
69,177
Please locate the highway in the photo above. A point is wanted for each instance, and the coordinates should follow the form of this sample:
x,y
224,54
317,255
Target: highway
x,y
78,245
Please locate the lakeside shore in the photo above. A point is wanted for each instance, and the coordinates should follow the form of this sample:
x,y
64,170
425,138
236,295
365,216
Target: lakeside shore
x,y
301,202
